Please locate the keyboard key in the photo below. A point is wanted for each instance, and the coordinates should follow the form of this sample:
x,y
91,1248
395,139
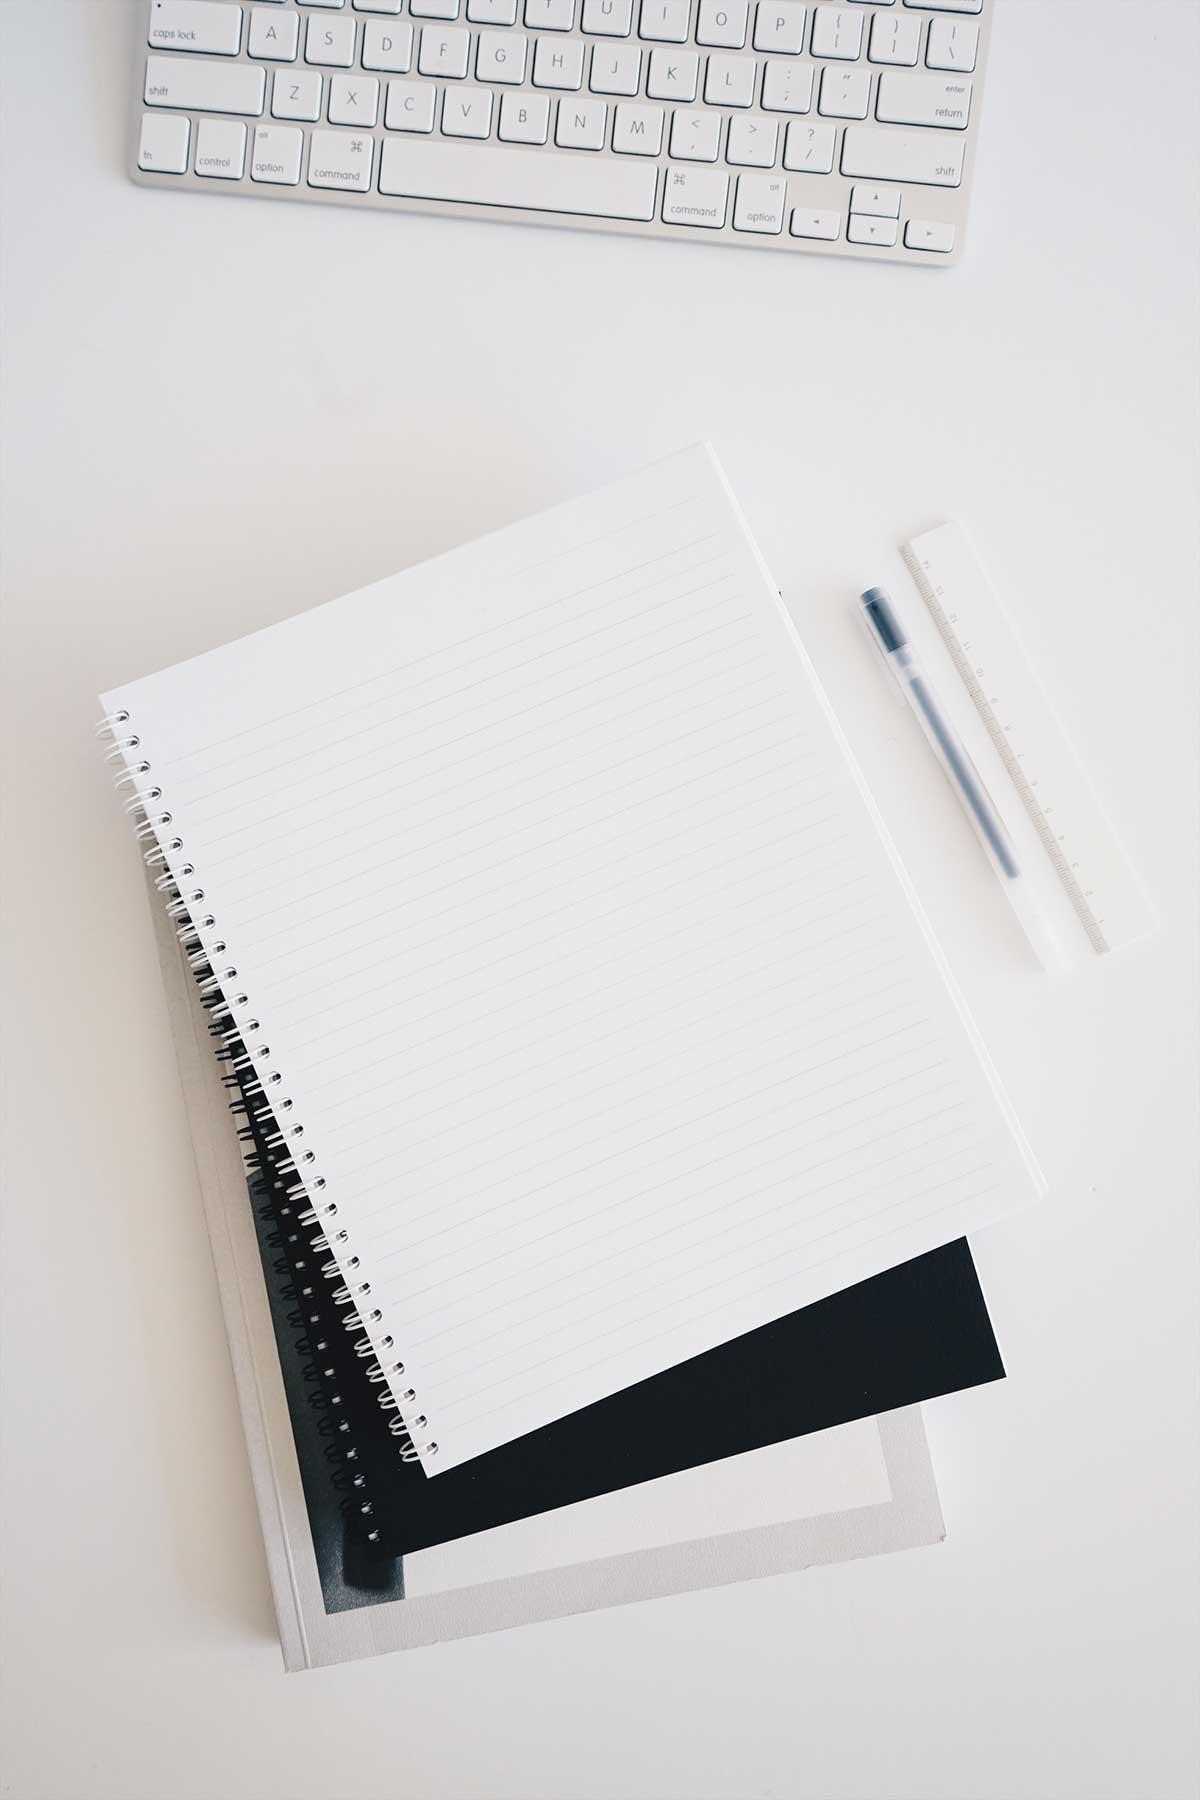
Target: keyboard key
x,y
954,6
809,147
581,124
722,23
199,25
695,197
932,160
189,86
837,31
409,106
388,47
330,42
673,75
377,6
608,18
338,159
883,203
353,100
334,5
752,143
550,15
952,45
696,136
275,36
729,81
895,39
865,230
434,9
221,149
845,93
275,158
467,113
809,224
445,50
760,203
617,70
492,12
524,118
787,86
664,21
296,96
779,27
638,130
938,100
492,175
558,65
164,143
501,57
929,234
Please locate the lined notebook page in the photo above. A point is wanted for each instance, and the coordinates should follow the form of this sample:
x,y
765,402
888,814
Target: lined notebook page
x,y
578,952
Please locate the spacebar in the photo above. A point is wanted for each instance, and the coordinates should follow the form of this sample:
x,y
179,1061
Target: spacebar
x,y
536,179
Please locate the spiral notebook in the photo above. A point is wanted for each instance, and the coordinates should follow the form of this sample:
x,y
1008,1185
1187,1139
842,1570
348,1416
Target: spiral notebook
x,y
538,892
904,1336
323,1490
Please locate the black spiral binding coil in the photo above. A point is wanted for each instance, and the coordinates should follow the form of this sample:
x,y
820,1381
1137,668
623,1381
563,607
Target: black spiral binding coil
x,y
331,1375
340,1359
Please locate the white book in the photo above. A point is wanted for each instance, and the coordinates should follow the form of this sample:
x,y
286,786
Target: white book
x,y
543,894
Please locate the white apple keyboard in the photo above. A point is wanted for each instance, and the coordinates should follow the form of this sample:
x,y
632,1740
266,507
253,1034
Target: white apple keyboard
x,y
845,130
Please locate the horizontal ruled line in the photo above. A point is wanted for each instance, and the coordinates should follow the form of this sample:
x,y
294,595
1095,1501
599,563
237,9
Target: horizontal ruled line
x,y
447,1409
412,1345
789,1128
546,1039
259,774
704,1117
442,650
794,1174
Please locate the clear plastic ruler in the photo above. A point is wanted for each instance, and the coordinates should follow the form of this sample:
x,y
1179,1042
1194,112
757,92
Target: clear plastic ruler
x,y
1085,879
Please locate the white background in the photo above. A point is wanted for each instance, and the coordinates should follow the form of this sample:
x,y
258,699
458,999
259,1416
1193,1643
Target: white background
x,y
217,412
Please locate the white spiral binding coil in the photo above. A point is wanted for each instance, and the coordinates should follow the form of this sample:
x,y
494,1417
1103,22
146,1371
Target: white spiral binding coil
x,y
214,977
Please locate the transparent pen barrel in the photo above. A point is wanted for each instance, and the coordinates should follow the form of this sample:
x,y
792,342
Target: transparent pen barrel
x,y
985,818
959,770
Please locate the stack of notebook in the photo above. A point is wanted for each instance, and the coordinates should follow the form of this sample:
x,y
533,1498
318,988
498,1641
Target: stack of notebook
x,y
608,1121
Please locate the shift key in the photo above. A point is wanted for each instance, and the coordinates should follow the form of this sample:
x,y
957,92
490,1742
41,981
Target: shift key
x,y
914,156
205,86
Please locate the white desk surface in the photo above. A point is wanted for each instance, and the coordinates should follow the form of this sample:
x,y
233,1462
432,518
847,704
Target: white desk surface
x,y
218,412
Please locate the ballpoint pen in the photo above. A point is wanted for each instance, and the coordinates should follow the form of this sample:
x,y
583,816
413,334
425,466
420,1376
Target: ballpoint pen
x,y
944,741
892,640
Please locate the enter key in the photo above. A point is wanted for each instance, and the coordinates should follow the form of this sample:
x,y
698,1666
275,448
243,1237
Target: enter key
x,y
938,100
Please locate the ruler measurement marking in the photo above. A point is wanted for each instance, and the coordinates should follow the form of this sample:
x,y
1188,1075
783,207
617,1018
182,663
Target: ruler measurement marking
x,y
995,730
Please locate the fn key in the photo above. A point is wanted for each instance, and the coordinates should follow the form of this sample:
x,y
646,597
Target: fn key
x,y
163,146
